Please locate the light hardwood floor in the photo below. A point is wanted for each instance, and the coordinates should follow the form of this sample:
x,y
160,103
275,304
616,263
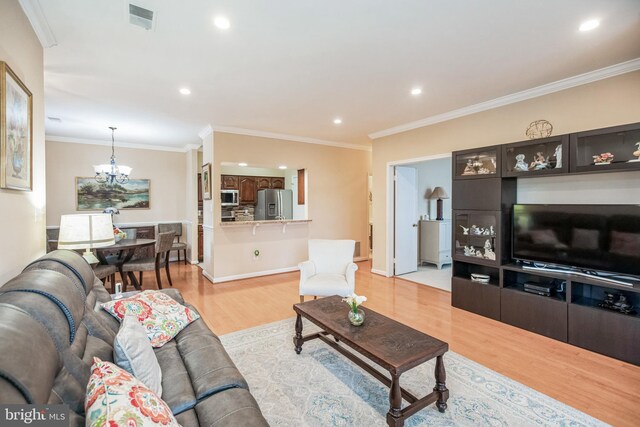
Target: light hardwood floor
x,y
600,386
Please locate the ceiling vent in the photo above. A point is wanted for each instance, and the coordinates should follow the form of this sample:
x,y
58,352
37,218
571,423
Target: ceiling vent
x,y
141,17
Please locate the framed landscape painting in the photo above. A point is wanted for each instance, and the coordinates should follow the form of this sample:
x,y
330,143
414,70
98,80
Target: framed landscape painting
x,y
16,139
94,196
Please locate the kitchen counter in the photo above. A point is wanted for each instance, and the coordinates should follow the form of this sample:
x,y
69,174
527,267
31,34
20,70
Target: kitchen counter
x,y
256,224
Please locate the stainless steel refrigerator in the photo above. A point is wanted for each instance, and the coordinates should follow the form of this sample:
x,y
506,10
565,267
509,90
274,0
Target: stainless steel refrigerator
x,y
274,204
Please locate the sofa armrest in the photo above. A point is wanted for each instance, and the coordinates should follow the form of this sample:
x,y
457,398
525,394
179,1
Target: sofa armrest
x,y
350,274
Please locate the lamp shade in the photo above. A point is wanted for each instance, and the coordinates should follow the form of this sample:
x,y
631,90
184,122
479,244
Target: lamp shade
x,y
439,193
85,231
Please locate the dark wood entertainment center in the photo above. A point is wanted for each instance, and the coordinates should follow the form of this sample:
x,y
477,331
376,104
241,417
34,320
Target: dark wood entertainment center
x,y
484,192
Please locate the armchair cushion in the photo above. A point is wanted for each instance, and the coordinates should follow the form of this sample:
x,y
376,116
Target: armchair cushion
x,y
331,256
327,284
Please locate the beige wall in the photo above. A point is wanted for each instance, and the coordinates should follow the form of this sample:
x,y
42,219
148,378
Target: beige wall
x,y
22,214
167,171
600,104
337,199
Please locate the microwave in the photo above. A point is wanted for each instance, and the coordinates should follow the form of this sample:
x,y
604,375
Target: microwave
x,y
229,198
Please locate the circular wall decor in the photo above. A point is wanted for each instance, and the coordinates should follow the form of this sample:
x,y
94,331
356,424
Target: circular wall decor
x,y
539,129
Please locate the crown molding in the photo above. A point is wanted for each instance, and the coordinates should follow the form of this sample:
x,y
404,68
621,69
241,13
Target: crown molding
x,y
39,23
190,147
581,79
273,135
119,144
205,132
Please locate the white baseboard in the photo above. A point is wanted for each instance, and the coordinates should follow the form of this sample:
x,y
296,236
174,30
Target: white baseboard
x,y
379,272
254,274
208,276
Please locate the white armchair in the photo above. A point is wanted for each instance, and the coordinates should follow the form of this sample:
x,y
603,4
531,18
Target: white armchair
x,y
330,269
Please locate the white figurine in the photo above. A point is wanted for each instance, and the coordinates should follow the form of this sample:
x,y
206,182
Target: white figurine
x,y
465,230
558,155
491,231
521,166
488,251
469,251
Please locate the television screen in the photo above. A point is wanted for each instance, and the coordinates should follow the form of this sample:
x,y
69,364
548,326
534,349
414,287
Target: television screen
x,y
590,237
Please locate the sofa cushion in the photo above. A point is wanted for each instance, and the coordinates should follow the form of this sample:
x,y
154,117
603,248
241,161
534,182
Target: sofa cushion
x,y
132,351
162,317
230,408
177,389
115,397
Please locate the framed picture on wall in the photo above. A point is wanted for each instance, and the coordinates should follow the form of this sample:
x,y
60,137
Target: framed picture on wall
x,y
94,196
206,181
16,139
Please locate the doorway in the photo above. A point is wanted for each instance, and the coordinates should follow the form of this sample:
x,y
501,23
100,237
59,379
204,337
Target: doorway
x,y
420,238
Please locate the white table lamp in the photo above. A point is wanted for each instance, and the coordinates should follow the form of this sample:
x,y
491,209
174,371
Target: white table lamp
x,y
86,231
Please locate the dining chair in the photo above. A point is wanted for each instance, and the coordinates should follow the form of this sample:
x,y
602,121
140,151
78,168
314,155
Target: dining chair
x,y
330,269
176,227
161,259
104,272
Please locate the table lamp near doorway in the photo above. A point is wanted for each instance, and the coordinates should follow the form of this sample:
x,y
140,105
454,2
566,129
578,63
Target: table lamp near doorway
x,y
439,194
86,231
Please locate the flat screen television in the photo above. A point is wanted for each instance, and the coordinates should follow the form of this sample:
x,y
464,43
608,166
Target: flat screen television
x,y
589,238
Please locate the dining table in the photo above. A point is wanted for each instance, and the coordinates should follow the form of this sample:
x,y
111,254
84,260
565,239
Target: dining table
x,y
126,249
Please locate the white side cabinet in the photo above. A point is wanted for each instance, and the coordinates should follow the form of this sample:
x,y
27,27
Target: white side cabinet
x,y
435,242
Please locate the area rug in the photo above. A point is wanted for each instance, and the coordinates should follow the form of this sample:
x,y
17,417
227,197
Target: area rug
x,y
321,387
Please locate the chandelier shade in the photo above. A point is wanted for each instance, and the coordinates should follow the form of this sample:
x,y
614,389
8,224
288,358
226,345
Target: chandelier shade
x,y
112,172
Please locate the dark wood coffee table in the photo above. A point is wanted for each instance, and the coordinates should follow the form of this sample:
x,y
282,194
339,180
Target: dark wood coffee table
x,y
392,345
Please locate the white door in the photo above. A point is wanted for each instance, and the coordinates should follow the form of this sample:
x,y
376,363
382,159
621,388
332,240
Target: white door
x,y
406,221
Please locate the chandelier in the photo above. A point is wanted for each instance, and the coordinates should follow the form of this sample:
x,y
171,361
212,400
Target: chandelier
x,y
112,172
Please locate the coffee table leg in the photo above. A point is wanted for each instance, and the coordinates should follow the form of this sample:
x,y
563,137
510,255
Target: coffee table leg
x,y
394,416
441,388
297,340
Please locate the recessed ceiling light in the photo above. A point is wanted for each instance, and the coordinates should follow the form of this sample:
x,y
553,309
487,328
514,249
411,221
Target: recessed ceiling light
x,y
185,91
416,91
282,167
589,25
243,164
337,121
222,22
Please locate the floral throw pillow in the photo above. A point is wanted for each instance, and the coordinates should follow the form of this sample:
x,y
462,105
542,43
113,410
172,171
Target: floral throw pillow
x,y
115,398
162,316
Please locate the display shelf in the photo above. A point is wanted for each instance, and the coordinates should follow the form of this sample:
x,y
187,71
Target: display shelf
x,y
464,270
477,163
519,287
546,156
592,296
620,141
516,278
476,234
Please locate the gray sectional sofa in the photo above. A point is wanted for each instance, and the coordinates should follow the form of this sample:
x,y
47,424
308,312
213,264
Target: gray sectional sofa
x,y
51,327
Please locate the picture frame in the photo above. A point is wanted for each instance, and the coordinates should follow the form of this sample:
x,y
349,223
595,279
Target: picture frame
x,y
16,132
94,196
206,181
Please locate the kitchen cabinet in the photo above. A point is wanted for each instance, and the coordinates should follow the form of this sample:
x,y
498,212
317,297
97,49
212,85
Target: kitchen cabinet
x,y
247,189
435,242
229,182
263,182
277,183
